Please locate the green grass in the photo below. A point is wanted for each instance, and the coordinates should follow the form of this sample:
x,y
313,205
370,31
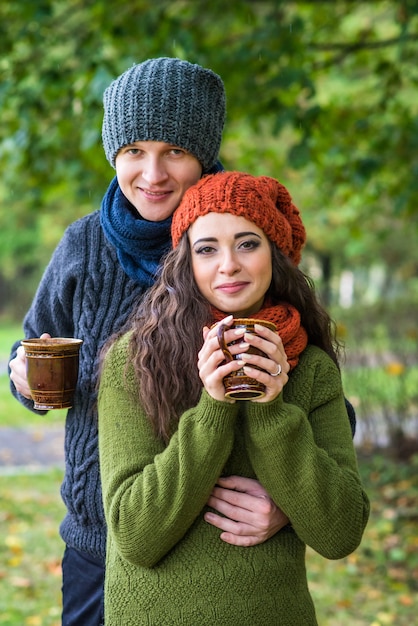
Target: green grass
x,y
377,584
9,333
30,513
30,549
14,414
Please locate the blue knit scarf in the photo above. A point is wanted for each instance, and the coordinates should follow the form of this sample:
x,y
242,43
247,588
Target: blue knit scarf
x,y
139,244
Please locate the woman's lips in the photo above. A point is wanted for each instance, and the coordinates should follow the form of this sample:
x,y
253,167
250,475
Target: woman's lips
x,y
230,288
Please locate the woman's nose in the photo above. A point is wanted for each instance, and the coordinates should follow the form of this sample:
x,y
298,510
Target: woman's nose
x,y
229,264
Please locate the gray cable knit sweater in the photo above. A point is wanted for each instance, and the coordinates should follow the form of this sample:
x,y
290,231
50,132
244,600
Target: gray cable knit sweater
x,y
84,293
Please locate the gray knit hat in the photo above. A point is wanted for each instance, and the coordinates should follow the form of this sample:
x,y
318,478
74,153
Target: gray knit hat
x,y
166,100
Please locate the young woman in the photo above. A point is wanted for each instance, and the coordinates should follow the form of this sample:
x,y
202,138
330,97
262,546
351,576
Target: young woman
x,y
167,433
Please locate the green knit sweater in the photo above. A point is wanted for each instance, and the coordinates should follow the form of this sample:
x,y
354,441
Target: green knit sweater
x,y
165,565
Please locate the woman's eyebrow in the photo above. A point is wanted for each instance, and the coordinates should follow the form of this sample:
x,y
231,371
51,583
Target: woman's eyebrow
x,y
236,236
246,234
205,239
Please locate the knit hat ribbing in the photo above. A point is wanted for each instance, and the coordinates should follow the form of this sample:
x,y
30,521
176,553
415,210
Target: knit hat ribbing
x,y
260,199
165,99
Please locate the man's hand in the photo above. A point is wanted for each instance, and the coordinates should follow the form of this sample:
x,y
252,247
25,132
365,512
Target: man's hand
x,y
18,371
250,515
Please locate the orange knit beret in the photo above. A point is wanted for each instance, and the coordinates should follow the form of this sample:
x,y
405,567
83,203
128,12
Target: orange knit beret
x,y
260,199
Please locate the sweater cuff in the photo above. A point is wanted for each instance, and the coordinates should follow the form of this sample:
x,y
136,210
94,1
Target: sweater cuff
x,y
267,414
215,413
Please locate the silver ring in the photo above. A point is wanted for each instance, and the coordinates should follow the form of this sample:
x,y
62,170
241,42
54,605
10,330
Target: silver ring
x,y
279,370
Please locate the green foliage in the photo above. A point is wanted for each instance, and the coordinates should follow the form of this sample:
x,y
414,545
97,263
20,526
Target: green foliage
x,y
385,399
380,371
386,325
320,95
9,332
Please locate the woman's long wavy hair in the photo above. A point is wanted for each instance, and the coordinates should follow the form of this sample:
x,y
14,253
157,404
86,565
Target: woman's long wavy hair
x,y
166,332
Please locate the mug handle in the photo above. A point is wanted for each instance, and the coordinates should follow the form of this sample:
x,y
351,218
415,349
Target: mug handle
x,y
221,338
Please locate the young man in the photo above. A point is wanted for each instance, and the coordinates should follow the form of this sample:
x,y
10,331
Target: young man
x,y
162,129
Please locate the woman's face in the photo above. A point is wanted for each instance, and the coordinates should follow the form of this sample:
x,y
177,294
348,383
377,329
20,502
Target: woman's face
x,y
154,176
231,262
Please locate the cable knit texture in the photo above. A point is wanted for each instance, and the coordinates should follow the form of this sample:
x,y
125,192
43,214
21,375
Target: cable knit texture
x,y
260,199
165,564
166,99
84,293
102,265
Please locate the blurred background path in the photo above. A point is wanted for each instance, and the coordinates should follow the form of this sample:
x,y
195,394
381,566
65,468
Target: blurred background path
x,y
31,448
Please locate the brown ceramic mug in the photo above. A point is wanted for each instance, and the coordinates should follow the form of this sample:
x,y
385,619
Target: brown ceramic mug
x,y
237,384
52,371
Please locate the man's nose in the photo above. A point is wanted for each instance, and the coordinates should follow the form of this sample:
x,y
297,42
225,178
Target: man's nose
x,y
153,170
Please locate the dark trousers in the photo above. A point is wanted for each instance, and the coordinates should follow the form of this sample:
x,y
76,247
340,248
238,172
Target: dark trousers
x,y
82,589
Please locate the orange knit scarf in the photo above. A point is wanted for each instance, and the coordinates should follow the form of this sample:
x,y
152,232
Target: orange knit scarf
x,y
287,320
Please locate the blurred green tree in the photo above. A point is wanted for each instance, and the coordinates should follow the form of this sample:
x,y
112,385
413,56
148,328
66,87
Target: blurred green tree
x,y
320,95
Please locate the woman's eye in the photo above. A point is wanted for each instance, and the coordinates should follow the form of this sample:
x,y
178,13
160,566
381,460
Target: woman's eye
x,y
205,250
249,244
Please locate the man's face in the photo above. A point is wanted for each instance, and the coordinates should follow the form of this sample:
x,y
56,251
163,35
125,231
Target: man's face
x,y
154,176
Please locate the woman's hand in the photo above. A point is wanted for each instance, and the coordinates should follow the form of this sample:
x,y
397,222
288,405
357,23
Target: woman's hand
x,y
251,516
274,367
213,368
18,371
210,364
